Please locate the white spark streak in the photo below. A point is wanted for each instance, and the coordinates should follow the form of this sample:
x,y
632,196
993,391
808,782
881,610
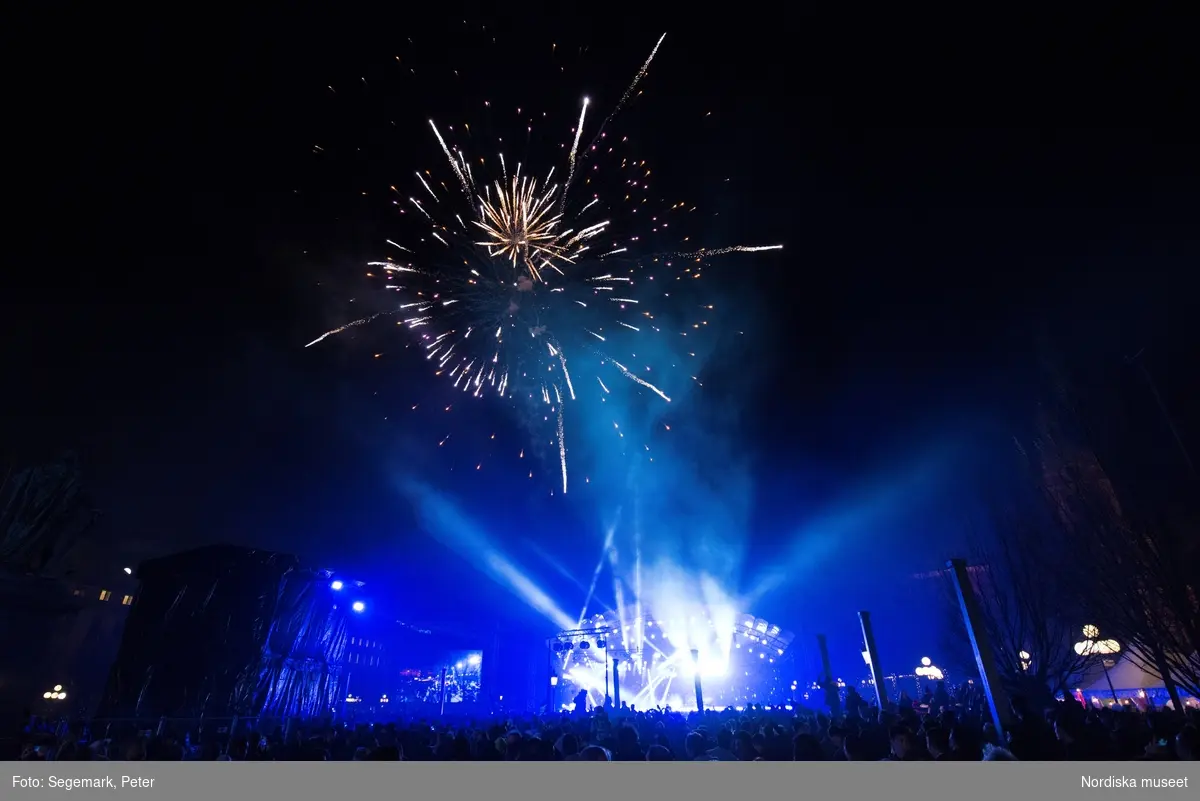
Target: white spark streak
x,y
574,150
625,371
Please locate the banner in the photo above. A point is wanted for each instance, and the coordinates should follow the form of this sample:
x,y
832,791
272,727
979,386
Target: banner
x,y
599,781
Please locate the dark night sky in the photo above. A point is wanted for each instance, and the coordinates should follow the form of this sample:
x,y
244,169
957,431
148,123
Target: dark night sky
x,y
941,185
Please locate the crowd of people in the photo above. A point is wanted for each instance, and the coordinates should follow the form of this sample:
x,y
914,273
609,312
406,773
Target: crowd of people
x,y
938,728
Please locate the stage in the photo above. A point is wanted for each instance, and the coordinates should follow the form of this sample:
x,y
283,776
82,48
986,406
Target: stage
x,y
635,659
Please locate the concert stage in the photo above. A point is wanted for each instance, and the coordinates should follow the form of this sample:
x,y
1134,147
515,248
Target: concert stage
x,y
643,661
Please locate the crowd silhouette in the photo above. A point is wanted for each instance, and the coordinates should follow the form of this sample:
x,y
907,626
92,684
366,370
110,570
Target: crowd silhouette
x,y
937,728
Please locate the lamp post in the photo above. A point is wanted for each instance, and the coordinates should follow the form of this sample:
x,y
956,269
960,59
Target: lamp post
x,y
832,699
929,671
985,657
1092,645
872,658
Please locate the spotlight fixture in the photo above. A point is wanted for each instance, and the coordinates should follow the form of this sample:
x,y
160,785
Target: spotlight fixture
x,y
358,606
601,643
129,571
585,645
336,585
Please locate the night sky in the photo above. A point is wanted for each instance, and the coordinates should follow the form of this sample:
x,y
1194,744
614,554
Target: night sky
x,y
946,188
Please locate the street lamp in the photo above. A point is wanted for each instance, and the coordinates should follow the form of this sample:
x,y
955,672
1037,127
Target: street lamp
x,y
1092,645
928,670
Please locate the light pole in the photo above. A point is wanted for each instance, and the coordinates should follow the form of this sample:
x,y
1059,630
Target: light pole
x,y
54,696
872,657
1092,645
928,671
985,657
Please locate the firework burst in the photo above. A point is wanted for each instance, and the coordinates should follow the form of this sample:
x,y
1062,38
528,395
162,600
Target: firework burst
x,y
516,279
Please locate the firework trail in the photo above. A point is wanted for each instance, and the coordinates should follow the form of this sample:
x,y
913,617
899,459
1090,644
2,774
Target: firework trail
x,y
628,94
562,448
511,282
462,179
731,249
625,372
342,328
574,151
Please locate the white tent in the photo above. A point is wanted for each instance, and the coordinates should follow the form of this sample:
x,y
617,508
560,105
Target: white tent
x,y
1126,676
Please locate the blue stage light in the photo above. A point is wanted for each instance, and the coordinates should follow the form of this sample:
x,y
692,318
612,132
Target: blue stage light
x,y
359,606
336,585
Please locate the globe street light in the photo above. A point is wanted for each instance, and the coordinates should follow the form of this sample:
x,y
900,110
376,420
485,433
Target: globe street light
x,y
1092,645
928,670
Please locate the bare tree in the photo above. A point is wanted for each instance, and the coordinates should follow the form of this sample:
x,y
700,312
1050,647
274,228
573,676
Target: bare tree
x,y
1136,531
42,514
1032,624
1139,573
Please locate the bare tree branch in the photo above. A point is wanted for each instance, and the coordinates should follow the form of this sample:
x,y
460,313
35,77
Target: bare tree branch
x,y
1140,575
1032,624
41,512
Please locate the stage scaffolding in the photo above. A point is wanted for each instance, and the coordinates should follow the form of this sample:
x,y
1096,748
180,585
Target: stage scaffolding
x,y
584,639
